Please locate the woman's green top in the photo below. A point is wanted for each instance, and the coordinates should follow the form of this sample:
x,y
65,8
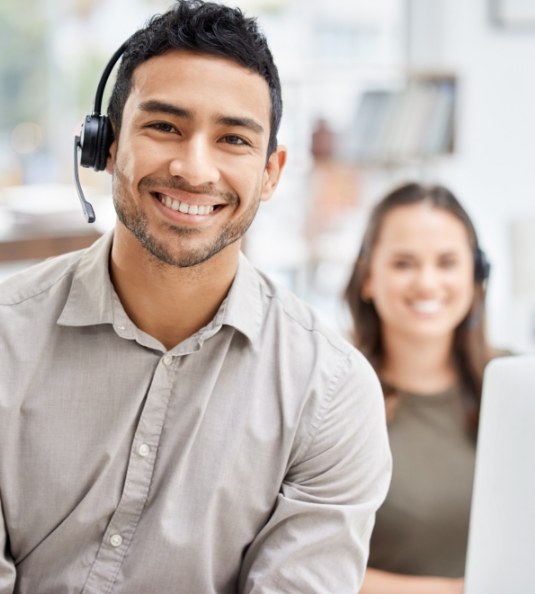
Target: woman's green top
x,y
422,527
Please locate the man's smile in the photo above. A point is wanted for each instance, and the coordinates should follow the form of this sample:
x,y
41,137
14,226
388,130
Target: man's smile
x,y
184,207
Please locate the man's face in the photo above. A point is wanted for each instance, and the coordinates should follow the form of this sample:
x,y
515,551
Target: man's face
x,y
189,167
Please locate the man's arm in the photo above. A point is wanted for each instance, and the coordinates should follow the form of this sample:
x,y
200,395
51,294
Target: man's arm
x,y
317,539
7,567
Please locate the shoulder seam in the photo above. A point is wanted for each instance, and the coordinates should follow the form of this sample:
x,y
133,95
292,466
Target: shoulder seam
x,y
343,368
18,299
337,345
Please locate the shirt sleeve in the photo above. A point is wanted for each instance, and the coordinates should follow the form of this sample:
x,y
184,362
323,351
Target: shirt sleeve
x,y
317,538
7,567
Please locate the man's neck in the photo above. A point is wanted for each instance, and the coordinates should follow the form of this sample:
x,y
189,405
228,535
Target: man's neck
x,y
170,303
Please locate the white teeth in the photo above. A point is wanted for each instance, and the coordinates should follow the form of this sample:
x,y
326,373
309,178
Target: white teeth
x,y
429,306
192,209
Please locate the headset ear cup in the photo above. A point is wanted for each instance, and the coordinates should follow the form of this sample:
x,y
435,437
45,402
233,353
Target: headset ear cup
x,y
481,266
104,140
95,141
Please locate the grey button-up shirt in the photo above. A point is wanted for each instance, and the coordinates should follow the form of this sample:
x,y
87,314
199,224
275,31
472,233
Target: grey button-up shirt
x,y
249,458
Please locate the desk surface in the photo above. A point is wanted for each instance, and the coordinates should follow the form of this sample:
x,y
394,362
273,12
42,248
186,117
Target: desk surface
x,y
34,244
38,221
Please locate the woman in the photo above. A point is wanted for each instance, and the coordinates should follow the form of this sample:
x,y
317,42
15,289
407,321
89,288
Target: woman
x,y
416,296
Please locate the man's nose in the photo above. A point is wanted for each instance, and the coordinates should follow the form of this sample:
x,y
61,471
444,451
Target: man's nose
x,y
195,161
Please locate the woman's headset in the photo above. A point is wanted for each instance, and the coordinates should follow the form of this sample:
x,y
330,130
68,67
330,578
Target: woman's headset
x,y
95,136
481,266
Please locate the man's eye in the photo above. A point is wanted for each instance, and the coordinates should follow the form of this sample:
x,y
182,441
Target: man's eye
x,y
236,140
162,127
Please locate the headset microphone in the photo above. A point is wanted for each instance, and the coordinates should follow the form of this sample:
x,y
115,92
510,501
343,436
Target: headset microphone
x,y
87,207
95,137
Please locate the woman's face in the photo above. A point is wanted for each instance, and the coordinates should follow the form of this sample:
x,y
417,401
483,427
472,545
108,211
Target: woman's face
x,y
421,277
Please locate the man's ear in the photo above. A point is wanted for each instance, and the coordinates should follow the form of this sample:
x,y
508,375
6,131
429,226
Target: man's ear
x,y
112,152
274,166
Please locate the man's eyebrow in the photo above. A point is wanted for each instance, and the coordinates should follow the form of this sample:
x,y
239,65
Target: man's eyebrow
x,y
249,123
154,106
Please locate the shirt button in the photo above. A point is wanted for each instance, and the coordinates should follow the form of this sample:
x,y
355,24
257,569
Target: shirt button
x,y
167,360
143,450
116,540
121,328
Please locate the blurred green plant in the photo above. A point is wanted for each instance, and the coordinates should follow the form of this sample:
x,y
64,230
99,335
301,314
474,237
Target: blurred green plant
x,y
23,63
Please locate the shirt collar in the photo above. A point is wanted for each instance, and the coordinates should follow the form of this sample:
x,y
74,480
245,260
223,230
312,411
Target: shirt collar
x,y
244,305
92,299
91,295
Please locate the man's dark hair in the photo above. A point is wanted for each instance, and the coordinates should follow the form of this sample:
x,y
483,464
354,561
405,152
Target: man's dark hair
x,y
207,28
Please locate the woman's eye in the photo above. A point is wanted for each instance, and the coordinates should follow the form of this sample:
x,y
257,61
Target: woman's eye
x,y
401,264
450,263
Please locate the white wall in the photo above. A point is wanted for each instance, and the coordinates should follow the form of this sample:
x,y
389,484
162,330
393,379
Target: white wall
x,y
493,169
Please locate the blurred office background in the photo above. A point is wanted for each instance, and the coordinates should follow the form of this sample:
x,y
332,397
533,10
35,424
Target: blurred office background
x,y
375,92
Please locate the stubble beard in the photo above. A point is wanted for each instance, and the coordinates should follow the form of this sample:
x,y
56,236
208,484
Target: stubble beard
x,y
184,253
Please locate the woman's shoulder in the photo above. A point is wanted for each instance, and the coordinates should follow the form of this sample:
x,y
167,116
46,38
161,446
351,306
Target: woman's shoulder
x,y
500,352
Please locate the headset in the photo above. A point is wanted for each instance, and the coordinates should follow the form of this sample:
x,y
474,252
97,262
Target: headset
x,y
481,276
95,137
481,266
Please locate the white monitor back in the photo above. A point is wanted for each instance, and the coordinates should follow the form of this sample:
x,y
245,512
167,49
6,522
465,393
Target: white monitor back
x,y
501,545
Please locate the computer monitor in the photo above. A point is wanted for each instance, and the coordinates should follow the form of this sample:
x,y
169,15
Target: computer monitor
x,y
501,544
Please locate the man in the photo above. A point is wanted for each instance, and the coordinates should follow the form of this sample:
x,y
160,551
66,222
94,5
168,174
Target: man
x,y
170,421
